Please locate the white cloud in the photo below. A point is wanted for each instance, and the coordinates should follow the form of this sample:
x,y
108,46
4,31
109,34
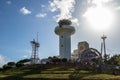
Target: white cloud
x,y
42,6
99,2
96,3
25,11
3,60
41,15
64,7
75,21
8,2
25,56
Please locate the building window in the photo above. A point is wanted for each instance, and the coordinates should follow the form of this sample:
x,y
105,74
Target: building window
x,y
61,36
61,45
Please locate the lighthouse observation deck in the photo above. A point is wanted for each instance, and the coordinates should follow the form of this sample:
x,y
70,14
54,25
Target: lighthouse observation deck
x,y
65,28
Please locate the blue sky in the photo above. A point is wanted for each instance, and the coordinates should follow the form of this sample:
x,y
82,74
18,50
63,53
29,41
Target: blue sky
x,y
20,20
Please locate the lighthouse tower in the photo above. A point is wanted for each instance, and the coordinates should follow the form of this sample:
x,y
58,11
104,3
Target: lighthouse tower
x,y
65,30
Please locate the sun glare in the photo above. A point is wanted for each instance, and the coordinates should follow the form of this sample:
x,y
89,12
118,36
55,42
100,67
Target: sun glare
x,y
100,18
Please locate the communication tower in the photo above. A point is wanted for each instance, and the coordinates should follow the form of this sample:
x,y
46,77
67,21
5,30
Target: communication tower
x,y
34,56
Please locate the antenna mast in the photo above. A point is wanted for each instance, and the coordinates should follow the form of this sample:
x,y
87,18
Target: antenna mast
x,y
37,36
103,47
35,46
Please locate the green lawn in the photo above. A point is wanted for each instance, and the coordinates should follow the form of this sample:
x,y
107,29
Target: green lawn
x,y
48,76
55,72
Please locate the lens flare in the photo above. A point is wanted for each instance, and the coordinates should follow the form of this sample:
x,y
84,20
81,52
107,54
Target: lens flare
x,y
99,17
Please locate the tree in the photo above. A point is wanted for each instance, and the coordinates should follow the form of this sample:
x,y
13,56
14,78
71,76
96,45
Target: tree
x,y
11,64
64,22
50,57
106,58
64,60
114,60
21,62
24,61
54,59
1,69
95,60
6,67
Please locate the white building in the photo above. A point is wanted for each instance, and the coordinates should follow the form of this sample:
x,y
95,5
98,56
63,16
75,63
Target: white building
x,y
65,32
82,46
84,52
75,55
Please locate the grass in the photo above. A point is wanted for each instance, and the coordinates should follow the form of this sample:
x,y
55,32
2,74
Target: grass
x,y
57,72
91,75
48,76
54,72
3,75
101,76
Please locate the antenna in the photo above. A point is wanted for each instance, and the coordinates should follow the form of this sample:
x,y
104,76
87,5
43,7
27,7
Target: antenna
x,y
103,47
37,36
35,46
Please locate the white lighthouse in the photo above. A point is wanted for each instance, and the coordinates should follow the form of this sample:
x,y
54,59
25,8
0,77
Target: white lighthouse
x,y
65,30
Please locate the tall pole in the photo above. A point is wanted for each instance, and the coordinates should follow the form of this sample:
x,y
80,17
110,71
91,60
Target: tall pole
x,y
101,48
37,36
104,46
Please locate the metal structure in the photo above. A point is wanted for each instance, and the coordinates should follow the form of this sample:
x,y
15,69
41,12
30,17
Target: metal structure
x,y
103,49
89,54
34,56
103,46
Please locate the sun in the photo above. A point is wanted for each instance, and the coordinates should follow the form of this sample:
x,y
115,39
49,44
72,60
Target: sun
x,y
99,18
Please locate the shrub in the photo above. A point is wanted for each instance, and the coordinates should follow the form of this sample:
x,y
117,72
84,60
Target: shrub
x,y
114,60
64,60
11,64
19,64
6,67
64,22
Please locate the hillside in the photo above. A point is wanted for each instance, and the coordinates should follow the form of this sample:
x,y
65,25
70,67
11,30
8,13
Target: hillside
x,y
52,72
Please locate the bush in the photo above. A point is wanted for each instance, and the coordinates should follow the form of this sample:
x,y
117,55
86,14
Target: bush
x,y
19,64
11,64
24,61
6,67
64,22
1,69
64,60
114,60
